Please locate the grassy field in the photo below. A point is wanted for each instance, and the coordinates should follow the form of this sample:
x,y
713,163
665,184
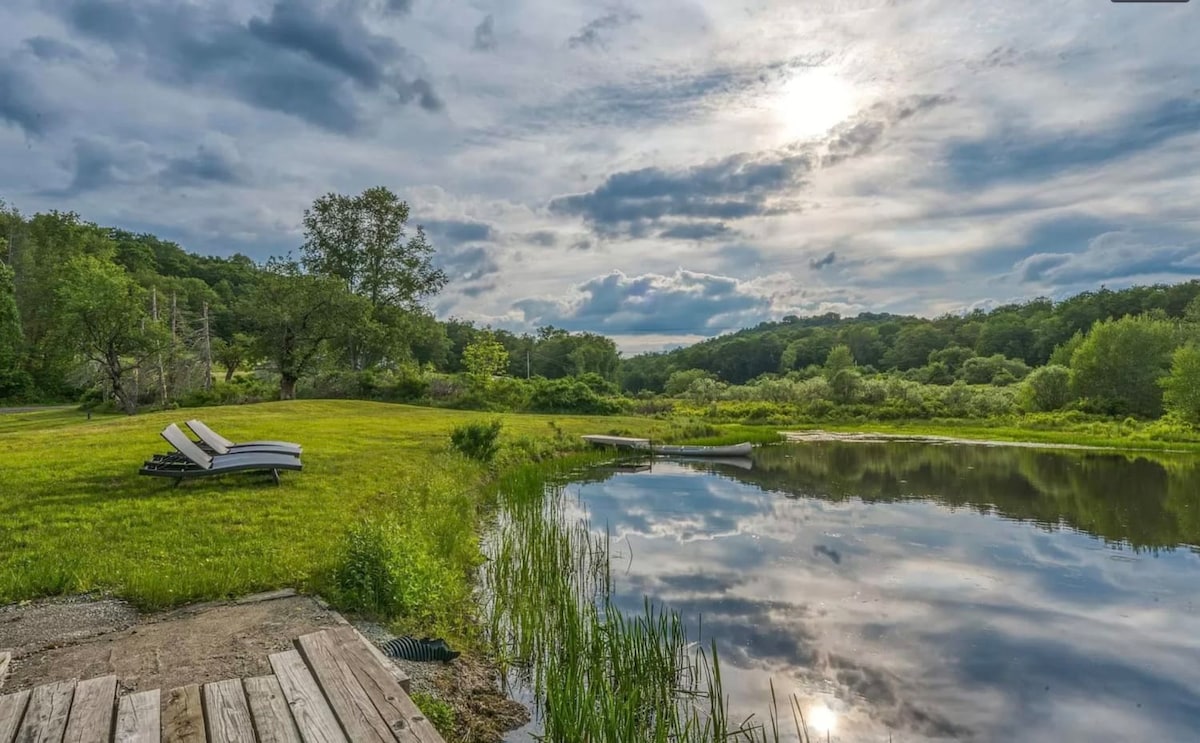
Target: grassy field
x,y
76,516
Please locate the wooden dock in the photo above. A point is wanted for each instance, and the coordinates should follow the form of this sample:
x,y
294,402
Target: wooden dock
x,y
334,687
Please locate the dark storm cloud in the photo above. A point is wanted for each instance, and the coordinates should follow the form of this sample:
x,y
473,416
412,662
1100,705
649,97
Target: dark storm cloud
x,y
735,187
98,164
1026,154
485,35
817,264
478,289
595,34
209,164
545,238
299,59
22,103
47,49
467,264
697,231
686,302
1114,256
458,231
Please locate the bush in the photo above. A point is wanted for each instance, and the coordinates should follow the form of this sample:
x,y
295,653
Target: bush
x,y
381,573
241,391
1182,387
479,441
440,713
1046,389
568,395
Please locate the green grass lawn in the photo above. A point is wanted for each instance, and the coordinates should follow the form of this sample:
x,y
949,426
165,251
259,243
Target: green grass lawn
x,y
76,516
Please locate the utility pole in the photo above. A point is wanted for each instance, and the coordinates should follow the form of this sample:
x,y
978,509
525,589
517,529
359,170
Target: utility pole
x,y
174,332
207,352
527,363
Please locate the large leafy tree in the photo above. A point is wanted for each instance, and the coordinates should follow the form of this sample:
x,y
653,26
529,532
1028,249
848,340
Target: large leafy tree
x,y
1117,367
105,321
1182,386
294,315
364,241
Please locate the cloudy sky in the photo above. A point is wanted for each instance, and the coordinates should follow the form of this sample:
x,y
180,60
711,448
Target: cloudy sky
x,y
658,171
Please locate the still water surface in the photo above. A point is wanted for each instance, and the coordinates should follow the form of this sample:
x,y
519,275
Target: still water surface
x,y
929,592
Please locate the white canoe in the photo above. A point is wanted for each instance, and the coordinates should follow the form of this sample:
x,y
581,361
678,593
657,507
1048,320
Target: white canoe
x,y
625,442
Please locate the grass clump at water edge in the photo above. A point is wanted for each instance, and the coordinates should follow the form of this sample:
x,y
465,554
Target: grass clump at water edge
x,y
595,672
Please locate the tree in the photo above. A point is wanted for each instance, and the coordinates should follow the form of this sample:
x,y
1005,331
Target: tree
x,y
1181,395
1117,367
363,240
1047,388
294,315
913,345
845,385
485,358
232,354
839,359
681,381
105,321
14,382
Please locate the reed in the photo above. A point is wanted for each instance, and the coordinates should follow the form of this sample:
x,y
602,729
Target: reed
x,y
595,673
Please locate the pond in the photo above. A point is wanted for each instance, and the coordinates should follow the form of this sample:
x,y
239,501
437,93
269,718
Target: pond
x,y
927,592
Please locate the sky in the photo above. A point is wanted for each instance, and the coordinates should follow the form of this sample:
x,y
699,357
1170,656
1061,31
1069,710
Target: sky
x,y
658,172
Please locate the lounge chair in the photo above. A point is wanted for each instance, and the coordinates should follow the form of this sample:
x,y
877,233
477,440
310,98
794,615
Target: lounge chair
x,y
192,461
218,444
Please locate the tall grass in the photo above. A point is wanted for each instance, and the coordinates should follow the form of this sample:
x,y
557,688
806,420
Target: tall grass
x,y
595,672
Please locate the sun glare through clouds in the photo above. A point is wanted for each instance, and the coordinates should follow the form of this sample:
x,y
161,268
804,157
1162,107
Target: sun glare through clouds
x,y
811,102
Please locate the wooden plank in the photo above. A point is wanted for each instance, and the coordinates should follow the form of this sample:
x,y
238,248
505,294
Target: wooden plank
x,y
226,714
383,660
91,716
350,703
183,716
12,708
5,659
272,717
46,716
402,716
138,718
314,719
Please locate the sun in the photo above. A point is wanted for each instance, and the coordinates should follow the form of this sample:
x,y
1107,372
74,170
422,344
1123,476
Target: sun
x,y
822,719
811,102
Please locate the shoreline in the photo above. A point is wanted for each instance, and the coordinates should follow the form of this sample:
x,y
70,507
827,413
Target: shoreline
x,y
817,435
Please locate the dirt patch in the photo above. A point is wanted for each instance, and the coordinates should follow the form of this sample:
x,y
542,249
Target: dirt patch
x,y
75,638
89,636
471,684
818,435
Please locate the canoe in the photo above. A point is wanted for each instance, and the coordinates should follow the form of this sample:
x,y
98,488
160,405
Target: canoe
x,y
734,450
625,442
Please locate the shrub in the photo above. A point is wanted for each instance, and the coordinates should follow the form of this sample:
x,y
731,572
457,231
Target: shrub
x,y
1047,388
568,395
440,713
381,572
478,440
1182,387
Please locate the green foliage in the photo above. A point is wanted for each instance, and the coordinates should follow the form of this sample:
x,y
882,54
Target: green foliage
x,y
995,369
568,396
483,359
14,380
1047,389
478,440
681,381
293,317
105,321
845,385
1117,367
241,391
440,713
1182,387
381,571
840,359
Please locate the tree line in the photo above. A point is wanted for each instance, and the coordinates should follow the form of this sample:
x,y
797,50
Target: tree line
x,y
91,312
88,311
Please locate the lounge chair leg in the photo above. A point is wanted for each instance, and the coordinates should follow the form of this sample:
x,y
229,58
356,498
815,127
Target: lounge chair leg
x,y
275,474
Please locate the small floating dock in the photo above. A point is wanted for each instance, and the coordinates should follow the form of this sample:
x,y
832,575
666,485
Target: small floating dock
x,y
333,687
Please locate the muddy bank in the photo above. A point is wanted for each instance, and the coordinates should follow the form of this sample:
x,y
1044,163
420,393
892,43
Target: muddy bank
x,y
819,435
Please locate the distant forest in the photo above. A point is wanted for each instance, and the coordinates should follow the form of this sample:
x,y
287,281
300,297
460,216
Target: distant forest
x,y
102,315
